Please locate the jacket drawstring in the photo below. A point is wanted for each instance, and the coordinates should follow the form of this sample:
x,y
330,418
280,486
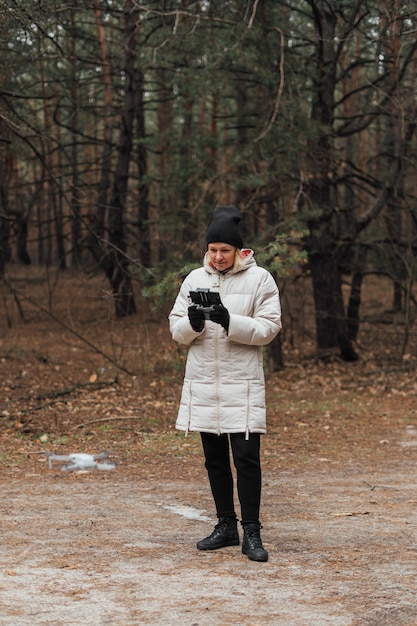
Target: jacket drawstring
x,y
247,410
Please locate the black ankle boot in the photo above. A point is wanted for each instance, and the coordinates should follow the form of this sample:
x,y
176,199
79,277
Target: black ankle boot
x,y
252,542
224,534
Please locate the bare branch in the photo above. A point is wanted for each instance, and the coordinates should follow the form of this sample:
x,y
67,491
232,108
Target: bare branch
x,y
280,90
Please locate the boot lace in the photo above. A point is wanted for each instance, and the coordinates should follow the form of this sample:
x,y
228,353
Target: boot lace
x,y
221,525
253,534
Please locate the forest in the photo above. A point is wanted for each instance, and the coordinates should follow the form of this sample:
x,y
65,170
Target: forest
x,y
123,123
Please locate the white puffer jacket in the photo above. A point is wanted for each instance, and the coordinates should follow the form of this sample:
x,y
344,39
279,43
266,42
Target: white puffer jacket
x,y
224,386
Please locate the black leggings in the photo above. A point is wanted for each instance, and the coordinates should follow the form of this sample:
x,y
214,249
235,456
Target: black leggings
x,y
246,458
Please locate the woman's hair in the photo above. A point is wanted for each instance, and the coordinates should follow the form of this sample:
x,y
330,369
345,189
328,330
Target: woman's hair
x,y
238,260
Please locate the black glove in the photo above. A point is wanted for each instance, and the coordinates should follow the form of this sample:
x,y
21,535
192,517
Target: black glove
x,y
196,317
220,315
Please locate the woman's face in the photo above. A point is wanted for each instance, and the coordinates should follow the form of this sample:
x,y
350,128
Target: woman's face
x,y
221,255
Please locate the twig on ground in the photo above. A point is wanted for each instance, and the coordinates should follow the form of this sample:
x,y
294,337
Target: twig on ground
x,y
68,390
55,395
373,487
105,419
56,319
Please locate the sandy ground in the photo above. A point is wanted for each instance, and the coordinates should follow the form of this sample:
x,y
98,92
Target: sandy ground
x,y
101,548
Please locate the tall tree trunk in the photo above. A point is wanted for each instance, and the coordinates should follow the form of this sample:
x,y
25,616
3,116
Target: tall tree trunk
x,y
75,178
243,194
323,252
6,169
111,253
4,227
331,323
165,120
118,269
148,230
58,203
22,238
97,232
392,148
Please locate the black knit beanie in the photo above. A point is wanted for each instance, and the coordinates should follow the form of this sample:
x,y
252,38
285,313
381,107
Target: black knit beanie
x,y
224,227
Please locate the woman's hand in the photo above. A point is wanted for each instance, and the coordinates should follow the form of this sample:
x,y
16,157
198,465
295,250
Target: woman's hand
x,y
196,317
220,315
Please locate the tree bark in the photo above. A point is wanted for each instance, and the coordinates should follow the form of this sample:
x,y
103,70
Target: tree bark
x,y
118,269
97,233
354,303
323,252
4,231
75,203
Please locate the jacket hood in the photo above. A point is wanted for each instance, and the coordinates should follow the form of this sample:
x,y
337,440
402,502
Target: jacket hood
x,y
244,259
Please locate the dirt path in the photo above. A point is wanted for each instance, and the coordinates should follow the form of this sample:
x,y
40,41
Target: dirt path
x,y
103,548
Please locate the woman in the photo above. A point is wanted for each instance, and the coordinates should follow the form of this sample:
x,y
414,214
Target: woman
x,y
223,395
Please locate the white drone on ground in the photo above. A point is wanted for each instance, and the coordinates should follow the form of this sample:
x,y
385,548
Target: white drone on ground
x,y
81,461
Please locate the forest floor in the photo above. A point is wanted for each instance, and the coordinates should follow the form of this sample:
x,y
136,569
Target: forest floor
x,y
118,547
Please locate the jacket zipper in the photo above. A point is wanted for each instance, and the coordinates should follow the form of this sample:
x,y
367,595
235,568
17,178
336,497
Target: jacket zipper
x,y
216,357
216,361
